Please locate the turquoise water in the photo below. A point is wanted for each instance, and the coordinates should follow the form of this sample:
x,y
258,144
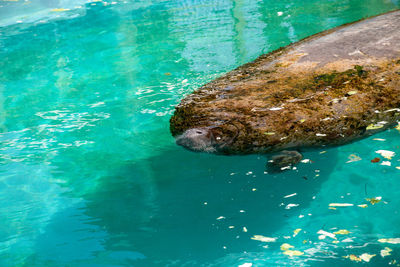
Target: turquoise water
x,y
90,175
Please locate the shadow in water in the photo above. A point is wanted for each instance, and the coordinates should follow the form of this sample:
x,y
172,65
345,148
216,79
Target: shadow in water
x,y
185,206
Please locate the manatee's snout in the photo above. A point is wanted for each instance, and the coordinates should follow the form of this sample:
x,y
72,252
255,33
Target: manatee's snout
x,y
197,139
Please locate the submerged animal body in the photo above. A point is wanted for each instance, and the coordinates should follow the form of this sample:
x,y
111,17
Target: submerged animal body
x,y
328,89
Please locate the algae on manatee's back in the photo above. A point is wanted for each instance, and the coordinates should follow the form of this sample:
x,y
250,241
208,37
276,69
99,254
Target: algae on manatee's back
x,y
328,89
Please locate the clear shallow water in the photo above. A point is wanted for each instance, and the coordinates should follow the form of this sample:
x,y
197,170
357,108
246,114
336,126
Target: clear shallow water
x,y
90,176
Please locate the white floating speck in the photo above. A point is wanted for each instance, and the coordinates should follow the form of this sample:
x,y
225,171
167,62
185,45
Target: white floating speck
x,y
289,206
276,108
319,134
386,153
347,240
386,163
305,161
291,195
220,218
279,13
245,229
341,205
327,119
325,233
247,264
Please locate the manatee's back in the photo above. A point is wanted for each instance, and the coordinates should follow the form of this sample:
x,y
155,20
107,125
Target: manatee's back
x,y
330,88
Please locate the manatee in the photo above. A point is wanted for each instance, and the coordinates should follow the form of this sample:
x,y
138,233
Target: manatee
x,y
329,89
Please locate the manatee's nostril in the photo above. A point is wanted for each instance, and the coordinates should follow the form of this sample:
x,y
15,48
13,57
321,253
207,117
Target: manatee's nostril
x,y
199,132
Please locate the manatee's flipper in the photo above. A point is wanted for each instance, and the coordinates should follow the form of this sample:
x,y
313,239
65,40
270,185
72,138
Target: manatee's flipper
x,y
284,160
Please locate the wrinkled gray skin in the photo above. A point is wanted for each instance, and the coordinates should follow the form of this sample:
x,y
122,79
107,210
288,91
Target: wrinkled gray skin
x,y
197,139
207,139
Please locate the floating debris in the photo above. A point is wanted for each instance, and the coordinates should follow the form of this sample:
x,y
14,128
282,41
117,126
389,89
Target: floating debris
x,y
390,240
296,232
386,153
367,257
379,139
352,257
286,246
362,206
341,205
269,133
292,253
352,92
264,238
386,163
220,218
247,264
386,252
347,240
289,206
60,9
374,126
325,234
375,160
353,158
275,108
291,195
374,200
342,232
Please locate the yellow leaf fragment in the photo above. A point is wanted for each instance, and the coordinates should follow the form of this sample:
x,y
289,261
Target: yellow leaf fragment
x,y
332,208
352,158
264,238
374,200
352,92
335,241
286,246
374,126
385,252
367,257
362,206
296,232
269,133
398,127
292,253
352,257
390,240
59,9
342,232
302,120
